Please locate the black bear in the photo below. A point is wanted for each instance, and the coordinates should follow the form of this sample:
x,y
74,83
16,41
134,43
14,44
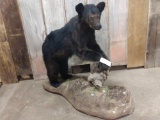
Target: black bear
x,y
76,37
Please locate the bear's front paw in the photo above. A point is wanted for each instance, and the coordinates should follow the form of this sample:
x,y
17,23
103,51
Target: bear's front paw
x,y
102,67
56,84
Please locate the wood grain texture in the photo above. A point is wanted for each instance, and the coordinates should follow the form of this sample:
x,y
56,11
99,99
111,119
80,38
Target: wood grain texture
x,y
157,55
54,14
137,32
16,37
153,45
118,14
7,68
34,29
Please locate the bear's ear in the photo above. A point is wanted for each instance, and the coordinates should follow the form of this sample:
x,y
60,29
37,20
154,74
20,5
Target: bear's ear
x,y
80,8
101,6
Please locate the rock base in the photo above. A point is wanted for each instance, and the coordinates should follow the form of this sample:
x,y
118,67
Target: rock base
x,y
107,102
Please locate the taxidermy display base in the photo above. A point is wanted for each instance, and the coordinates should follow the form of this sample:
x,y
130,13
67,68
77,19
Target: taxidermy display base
x,y
106,102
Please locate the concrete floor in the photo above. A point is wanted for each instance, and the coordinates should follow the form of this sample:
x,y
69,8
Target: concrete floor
x,y
28,100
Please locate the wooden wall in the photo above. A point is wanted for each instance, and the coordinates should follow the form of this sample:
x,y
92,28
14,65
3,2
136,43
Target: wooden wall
x,y
35,32
118,14
14,58
153,45
39,17
7,68
137,32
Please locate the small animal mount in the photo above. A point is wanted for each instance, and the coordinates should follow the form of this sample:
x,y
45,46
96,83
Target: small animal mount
x,y
96,77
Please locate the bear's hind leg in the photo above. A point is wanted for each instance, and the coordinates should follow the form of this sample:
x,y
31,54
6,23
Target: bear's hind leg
x,y
63,64
52,72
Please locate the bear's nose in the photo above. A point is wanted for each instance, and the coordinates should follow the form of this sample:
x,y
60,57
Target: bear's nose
x,y
98,26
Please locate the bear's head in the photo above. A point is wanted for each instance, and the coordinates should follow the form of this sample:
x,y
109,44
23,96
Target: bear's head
x,y
90,14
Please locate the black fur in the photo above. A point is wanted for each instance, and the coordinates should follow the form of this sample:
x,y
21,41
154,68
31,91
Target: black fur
x,y
76,37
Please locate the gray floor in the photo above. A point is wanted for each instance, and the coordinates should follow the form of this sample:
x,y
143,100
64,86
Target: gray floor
x,y
28,100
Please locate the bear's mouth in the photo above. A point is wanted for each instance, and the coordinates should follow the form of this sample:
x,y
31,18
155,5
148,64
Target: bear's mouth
x,y
97,28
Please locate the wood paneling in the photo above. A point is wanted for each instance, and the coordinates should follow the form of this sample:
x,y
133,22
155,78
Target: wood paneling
x,y
157,56
54,14
7,68
15,36
118,14
34,29
153,46
137,32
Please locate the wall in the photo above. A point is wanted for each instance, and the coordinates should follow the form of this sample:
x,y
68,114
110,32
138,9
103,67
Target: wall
x,y
118,14
153,45
137,32
14,58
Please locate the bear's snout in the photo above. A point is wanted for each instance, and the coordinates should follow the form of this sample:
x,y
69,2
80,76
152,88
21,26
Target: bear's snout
x,y
98,27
